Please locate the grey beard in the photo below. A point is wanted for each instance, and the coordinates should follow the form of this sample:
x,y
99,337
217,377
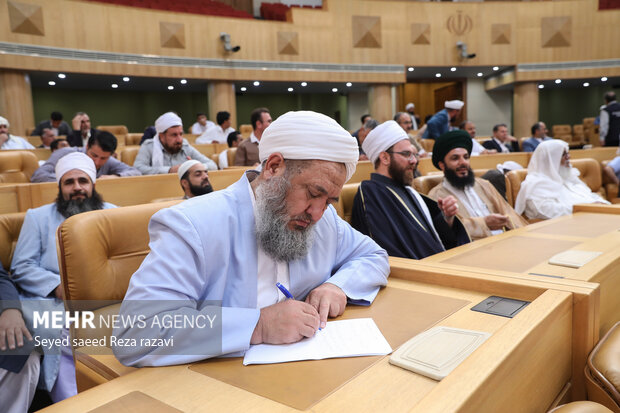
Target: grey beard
x,y
272,232
68,208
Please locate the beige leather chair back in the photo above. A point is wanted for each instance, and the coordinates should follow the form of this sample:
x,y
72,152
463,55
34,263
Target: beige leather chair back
x,y
581,407
133,139
17,166
128,154
603,370
116,130
246,130
100,250
345,204
590,173
10,226
424,184
514,179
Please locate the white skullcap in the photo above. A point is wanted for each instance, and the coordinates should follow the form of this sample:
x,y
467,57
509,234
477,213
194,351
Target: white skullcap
x,y
4,121
381,138
454,104
166,121
409,106
185,167
76,160
307,135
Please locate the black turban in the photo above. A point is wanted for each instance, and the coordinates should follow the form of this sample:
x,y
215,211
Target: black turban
x,y
448,141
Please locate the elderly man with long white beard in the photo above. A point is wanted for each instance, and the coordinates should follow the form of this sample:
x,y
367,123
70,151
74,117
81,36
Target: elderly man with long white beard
x,y
226,251
552,185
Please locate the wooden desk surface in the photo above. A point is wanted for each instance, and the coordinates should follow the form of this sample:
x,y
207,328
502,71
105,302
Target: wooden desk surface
x,y
523,367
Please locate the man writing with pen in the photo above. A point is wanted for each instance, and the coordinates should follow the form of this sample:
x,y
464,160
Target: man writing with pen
x,y
483,211
234,245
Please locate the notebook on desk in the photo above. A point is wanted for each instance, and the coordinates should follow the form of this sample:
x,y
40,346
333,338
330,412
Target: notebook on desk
x,y
574,258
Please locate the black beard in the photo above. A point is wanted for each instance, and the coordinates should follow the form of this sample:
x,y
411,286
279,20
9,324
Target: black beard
x,y
198,190
460,182
68,208
399,174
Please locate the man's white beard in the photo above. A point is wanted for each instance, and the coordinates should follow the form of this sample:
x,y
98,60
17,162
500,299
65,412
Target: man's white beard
x,y
272,232
566,173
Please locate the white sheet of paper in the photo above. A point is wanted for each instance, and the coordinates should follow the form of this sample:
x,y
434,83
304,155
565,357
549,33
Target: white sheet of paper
x,y
343,338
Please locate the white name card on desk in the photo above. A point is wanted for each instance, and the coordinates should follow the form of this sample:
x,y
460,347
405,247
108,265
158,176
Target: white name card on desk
x,y
343,338
574,258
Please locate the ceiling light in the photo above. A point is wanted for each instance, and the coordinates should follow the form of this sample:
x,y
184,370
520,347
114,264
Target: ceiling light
x,y
304,84
126,79
349,84
61,75
558,81
170,87
586,84
114,85
243,89
479,74
496,68
541,86
437,74
334,89
51,83
183,81
256,83
410,69
453,69
290,89
604,79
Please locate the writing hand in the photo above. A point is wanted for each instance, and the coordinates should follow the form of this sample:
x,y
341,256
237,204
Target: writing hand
x,y
329,300
285,322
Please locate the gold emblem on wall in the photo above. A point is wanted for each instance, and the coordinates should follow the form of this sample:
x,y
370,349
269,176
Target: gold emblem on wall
x,y
172,35
500,34
459,23
288,43
26,18
556,31
421,33
366,31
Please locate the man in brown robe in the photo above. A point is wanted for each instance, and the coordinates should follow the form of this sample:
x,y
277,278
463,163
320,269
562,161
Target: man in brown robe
x,y
483,211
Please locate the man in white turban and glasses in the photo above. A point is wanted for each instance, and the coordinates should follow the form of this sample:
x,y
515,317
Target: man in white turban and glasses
x,y
168,150
232,246
552,185
34,267
404,222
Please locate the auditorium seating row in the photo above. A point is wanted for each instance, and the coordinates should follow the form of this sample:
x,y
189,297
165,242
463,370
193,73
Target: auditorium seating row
x,y
206,7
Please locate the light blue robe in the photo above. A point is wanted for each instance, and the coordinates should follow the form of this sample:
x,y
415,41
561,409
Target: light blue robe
x,y
34,270
205,249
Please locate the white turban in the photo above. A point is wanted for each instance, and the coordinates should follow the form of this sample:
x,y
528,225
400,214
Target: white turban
x,y
166,121
4,121
76,160
454,104
306,135
409,106
185,167
381,138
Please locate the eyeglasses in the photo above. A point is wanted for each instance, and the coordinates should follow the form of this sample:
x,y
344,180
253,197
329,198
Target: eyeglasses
x,y
410,156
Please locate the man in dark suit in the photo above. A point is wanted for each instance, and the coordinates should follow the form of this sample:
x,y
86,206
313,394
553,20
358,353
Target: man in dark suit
x,y
81,130
501,141
56,124
19,374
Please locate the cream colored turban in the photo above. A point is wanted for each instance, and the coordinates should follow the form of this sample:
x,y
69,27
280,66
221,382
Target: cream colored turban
x,y
381,138
76,160
4,121
185,167
454,104
166,121
309,135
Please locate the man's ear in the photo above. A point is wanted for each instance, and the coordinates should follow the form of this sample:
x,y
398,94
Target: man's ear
x,y
442,165
274,165
384,157
184,184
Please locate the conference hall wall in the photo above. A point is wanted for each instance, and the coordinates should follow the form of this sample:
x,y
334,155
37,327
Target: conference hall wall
x,y
137,110
569,105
